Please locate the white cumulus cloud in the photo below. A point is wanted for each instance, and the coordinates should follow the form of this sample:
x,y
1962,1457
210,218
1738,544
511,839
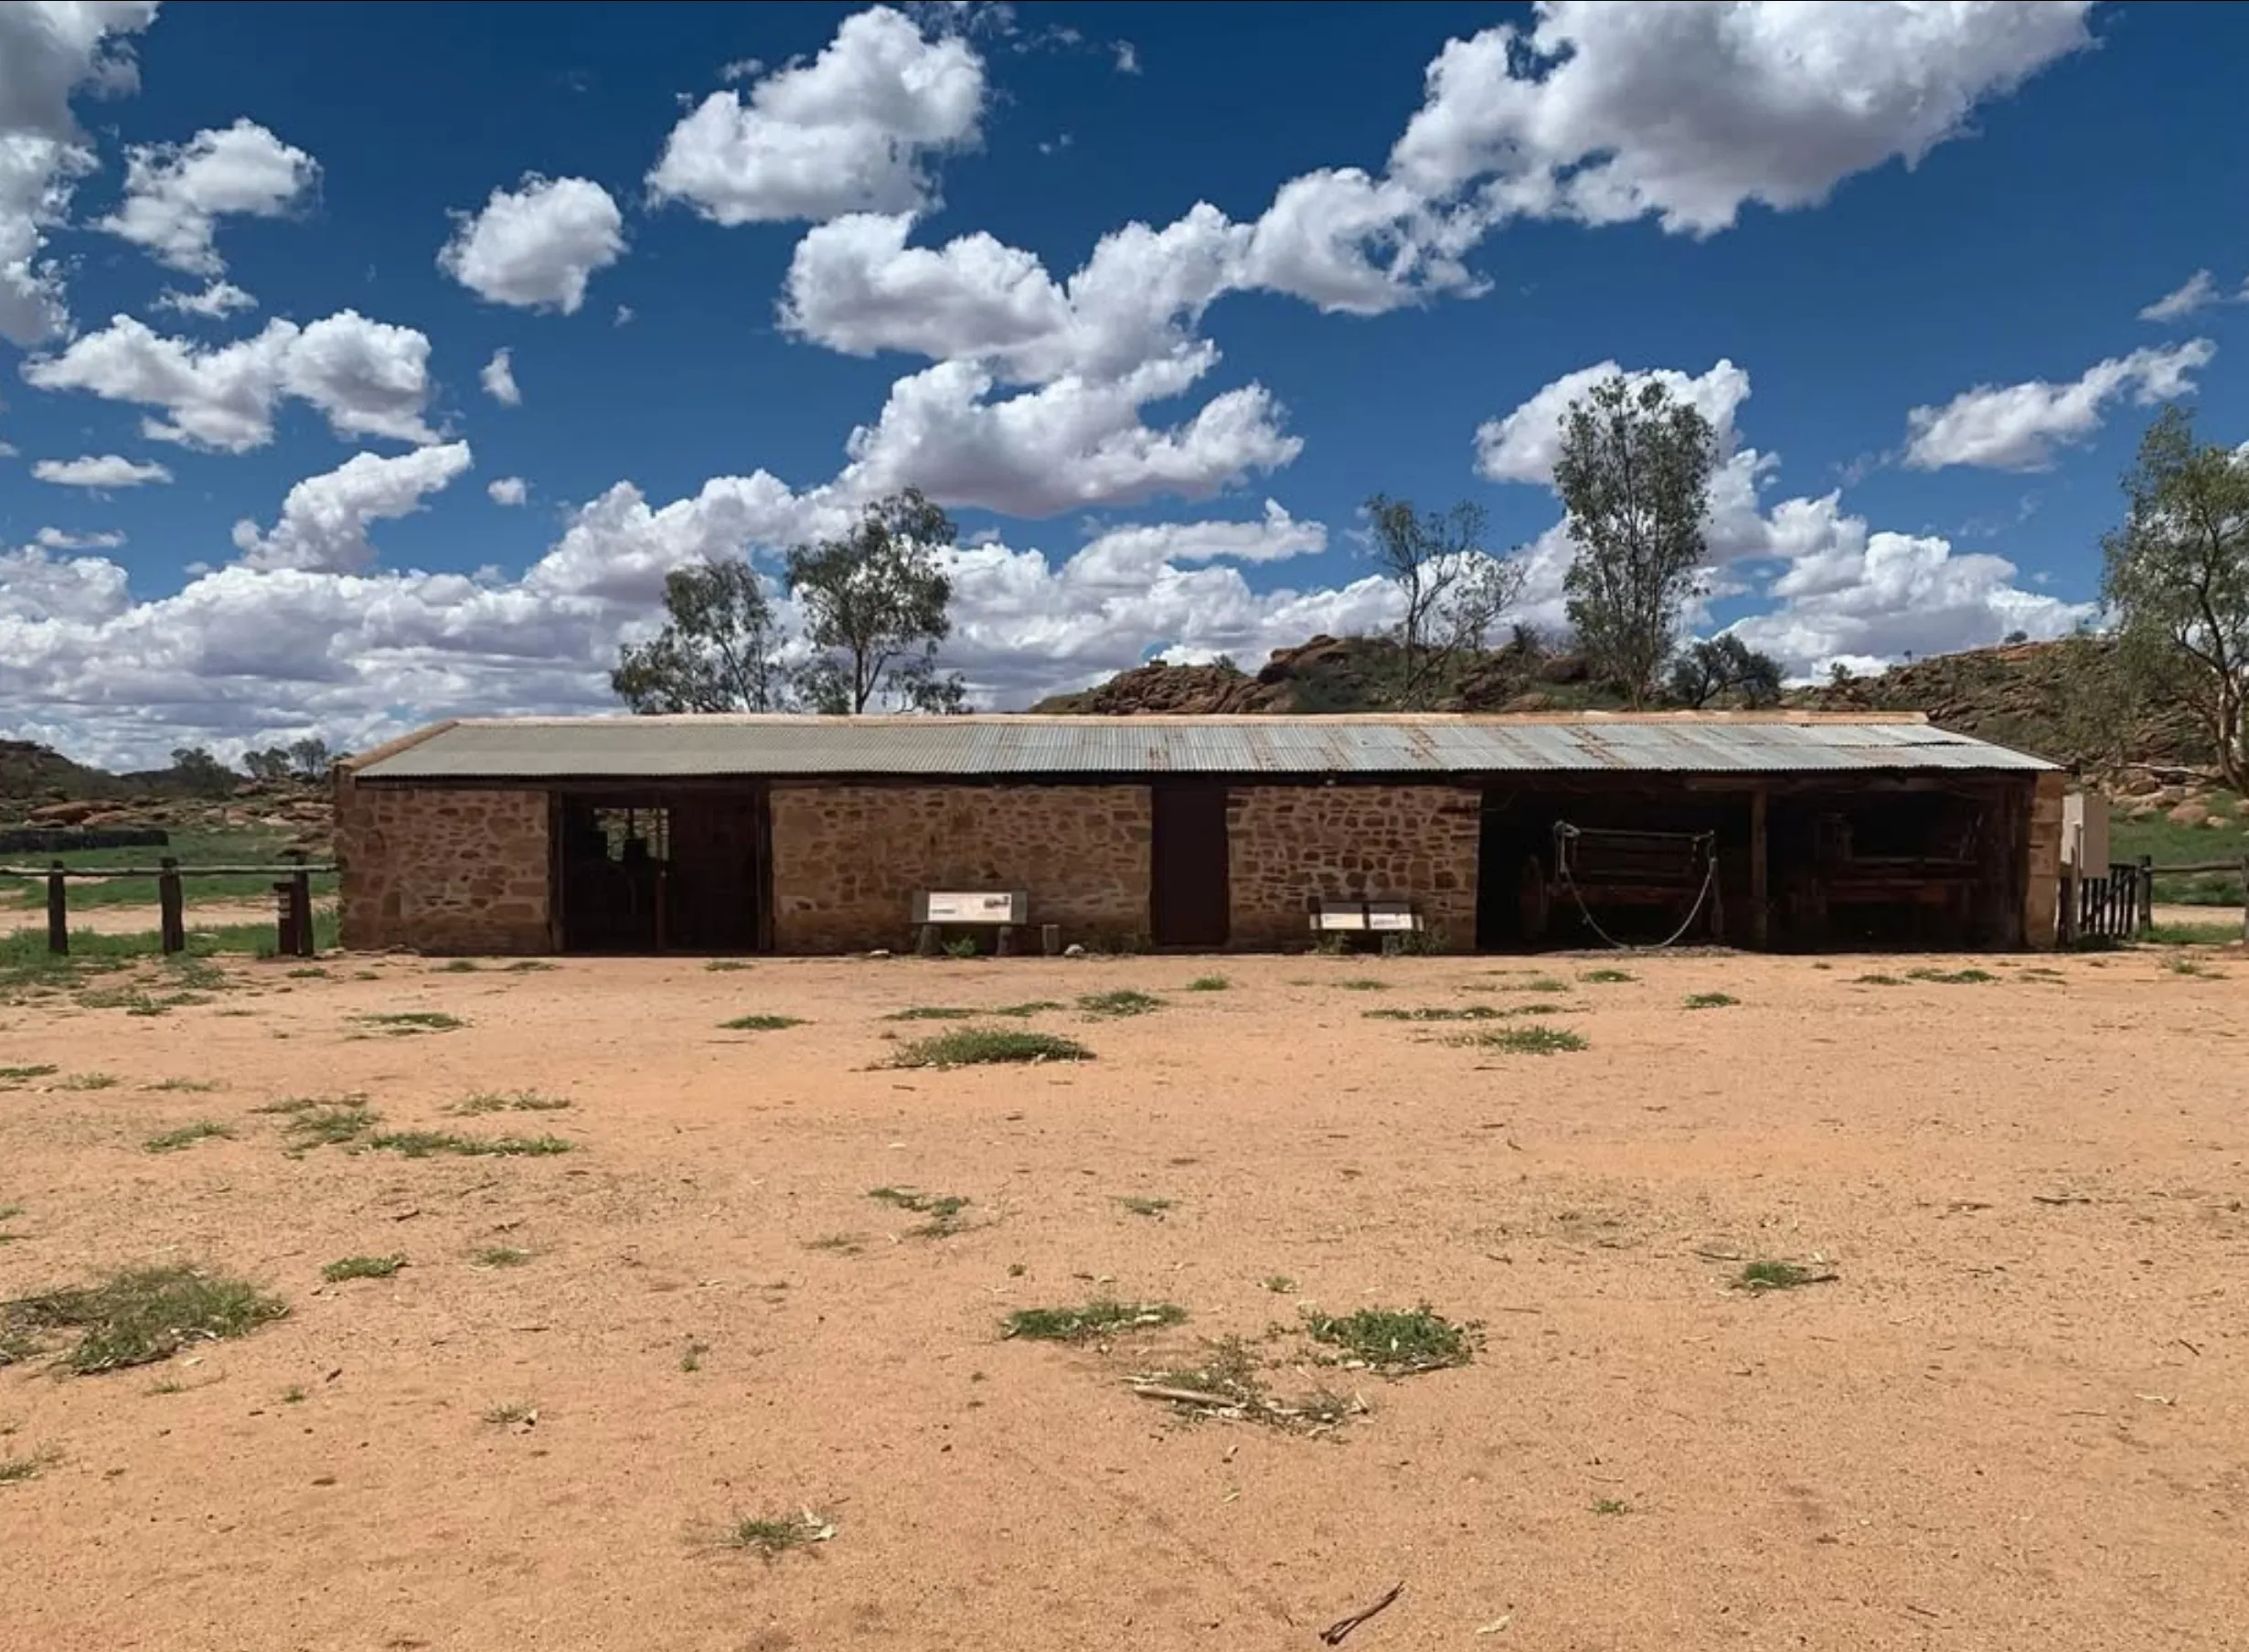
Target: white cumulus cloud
x,y
177,193
218,300
1524,444
57,538
323,521
498,378
108,470
507,490
369,378
852,131
536,246
50,50
2018,426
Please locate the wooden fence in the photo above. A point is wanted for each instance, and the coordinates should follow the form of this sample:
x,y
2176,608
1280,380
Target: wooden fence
x,y
292,898
2122,905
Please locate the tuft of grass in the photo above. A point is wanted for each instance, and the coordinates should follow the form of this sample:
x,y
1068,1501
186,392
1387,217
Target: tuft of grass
x,y
2193,935
1879,980
320,1121
1280,1285
512,1413
428,1144
963,947
691,1356
1611,1505
361,1267
24,1075
140,1315
500,1256
460,966
931,1012
943,1210
770,1538
1951,977
1139,1205
1775,1277
1606,978
1209,984
841,1245
723,965
186,1086
530,967
1125,1001
761,1023
1536,1039
1364,984
1464,1012
2189,967
294,1394
1098,1319
988,1046
1396,1341
89,1080
1544,984
1710,1000
507,1101
410,1022
1034,1007
186,1136
15,1471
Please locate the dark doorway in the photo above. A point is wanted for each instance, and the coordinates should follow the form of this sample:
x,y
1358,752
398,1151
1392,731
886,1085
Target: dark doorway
x,y
687,871
1187,894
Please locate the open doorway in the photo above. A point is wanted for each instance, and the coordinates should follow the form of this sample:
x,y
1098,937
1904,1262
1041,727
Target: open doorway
x,y
687,871
1189,892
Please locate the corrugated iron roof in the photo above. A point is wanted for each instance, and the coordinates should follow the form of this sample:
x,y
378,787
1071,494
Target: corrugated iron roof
x,y
994,747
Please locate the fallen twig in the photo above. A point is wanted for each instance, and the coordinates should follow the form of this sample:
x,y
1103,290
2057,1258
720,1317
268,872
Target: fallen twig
x,y
1333,1635
1185,1396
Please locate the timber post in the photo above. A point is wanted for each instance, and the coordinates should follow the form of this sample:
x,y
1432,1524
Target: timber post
x,y
171,917
57,909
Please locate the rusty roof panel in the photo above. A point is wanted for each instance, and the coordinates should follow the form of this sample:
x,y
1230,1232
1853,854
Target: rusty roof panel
x,y
999,747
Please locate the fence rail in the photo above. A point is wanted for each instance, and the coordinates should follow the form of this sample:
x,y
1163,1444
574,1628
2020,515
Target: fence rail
x,y
2122,905
292,896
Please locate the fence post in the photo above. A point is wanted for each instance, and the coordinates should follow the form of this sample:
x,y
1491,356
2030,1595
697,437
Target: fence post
x,y
57,910
2244,897
301,900
170,919
2145,921
2066,929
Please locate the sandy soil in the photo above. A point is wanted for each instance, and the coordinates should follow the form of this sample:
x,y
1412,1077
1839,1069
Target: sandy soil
x,y
2018,1417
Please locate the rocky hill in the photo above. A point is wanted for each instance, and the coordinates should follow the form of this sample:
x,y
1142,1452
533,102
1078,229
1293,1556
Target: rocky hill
x,y
42,788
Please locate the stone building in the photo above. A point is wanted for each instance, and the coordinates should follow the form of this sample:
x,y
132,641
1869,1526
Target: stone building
x,y
815,835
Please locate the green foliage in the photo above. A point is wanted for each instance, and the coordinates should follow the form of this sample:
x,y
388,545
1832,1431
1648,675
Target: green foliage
x,y
2176,579
1525,1040
2193,935
874,603
1396,1341
1633,475
139,1314
500,1256
719,649
1125,1001
408,1021
1452,590
507,1101
1773,1276
761,1023
1710,1000
989,1046
427,1144
943,1210
1140,1205
2166,842
1209,984
1466,1012
770,1538
1098,1319
361,1267
1951,977
305,760
186,1135
1606,978
323,1120
1724,668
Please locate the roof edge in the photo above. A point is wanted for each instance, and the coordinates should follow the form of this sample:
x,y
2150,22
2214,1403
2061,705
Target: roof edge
x,y
407,743
1024,719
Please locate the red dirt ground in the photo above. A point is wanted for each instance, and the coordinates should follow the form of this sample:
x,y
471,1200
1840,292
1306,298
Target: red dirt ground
x,y
2017,1417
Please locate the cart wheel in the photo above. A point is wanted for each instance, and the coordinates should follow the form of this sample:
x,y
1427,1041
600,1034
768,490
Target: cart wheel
x,y
1531,899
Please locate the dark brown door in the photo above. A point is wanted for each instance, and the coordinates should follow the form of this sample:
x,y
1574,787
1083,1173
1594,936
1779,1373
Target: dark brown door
x,y
1187,891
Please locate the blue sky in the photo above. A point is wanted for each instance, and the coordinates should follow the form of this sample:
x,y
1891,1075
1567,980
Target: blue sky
x,y
749,266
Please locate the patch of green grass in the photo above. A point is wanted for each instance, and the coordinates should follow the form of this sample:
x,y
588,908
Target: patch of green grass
x,y
428,1144
1538,1040
1364,984
1950,977
761,1023
1775,1277
500,1256
133,1001
1464,1012
964,947
1606,978
408,1021
15,1471
723,965
1139,1205
9,1212
361,1267
839,1245
1124,1001
988,1046
140,1315
530,967
321,1120
1209,984
2189,967
691,1356
1611,1505
1710,1000
1034,1007
1101,1317
24,1075
1879,980
1280,1285
189,845
294,1394
943,1210
931,1012
186,1135
1396,1341
186,1086
507,1101
770,1538
311,971
89,1080
2193,935
2166,842
459,966
1538,983
511,1414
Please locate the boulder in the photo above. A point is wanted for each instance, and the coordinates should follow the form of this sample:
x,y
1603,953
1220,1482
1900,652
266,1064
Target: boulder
x,y
2189,815
67,813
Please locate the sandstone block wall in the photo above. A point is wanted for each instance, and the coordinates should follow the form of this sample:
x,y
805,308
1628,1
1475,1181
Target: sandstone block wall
x,y
2042,897
442,870
1288,844
848,859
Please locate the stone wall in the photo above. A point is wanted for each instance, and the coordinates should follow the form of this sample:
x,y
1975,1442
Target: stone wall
x,y
442,870
2042,897
848,859
1289,843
